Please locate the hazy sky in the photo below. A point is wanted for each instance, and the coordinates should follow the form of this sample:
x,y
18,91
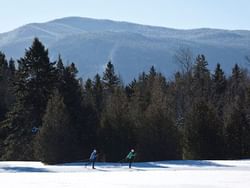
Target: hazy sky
x,y
226,14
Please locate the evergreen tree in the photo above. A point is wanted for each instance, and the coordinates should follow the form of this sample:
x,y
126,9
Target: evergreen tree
x,y
33,85
152,72
235,126
237,84
71,91
130,89
110,79
92,113
60,70
157,136
202,133
235,116
39,79
88,92
53,142
201,76
246,128
219,80
7,74
98,94
219,86
3,86
12,66
117,135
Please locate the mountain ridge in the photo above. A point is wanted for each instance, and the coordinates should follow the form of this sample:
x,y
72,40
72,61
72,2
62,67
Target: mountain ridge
x,y
133,48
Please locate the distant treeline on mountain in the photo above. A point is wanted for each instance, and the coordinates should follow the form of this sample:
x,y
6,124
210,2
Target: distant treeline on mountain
x,y
47,113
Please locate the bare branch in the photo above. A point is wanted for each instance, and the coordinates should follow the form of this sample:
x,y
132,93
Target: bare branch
x,y
184,57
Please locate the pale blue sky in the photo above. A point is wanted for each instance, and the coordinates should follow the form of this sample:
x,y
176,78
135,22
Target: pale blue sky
x,y
184,14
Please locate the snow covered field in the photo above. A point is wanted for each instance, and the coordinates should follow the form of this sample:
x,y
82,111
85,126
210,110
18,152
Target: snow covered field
x,y
169,174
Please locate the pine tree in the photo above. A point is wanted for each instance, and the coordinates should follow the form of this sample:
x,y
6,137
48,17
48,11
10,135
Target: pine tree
x,y
202,133
219,80
235,125
110,79
158,137
98,94
3,85
219,86
60,70
237,84
88,92
117,135
7,74
130,89
33,85
92,113
246,128
53,142
39,79
12,67
201,78
71,91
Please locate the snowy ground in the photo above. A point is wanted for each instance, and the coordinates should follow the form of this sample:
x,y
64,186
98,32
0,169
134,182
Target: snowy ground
x,y
167,174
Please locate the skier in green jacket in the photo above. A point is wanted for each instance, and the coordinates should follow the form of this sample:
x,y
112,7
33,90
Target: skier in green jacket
x,y
130,157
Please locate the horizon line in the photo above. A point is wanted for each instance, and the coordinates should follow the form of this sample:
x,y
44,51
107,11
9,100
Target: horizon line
x,y
124,21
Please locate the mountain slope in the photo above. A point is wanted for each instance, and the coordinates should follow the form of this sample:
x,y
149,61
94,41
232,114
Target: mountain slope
x,y
133,48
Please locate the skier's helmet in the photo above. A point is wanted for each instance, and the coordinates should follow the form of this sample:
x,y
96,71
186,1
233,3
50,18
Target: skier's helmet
x,y
95,150
132,150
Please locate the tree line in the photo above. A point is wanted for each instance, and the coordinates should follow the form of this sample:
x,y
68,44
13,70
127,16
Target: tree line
x,y
49,114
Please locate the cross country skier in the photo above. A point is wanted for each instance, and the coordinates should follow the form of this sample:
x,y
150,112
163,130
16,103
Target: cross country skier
x,y
130,157
92,158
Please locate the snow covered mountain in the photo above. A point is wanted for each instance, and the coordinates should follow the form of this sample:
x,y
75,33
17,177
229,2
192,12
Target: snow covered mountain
x,y
133,48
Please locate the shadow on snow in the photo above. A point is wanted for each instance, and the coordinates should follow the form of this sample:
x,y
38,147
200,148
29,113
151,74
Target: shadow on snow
x,y
192,163
141,166
23,169
158,164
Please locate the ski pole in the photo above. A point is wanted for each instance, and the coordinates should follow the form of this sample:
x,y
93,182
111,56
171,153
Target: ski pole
x,y
121,161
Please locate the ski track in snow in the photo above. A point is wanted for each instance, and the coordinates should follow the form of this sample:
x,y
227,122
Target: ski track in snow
x,y
170,174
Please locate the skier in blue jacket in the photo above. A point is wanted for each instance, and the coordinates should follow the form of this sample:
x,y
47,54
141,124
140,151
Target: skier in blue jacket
x,y
92,158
